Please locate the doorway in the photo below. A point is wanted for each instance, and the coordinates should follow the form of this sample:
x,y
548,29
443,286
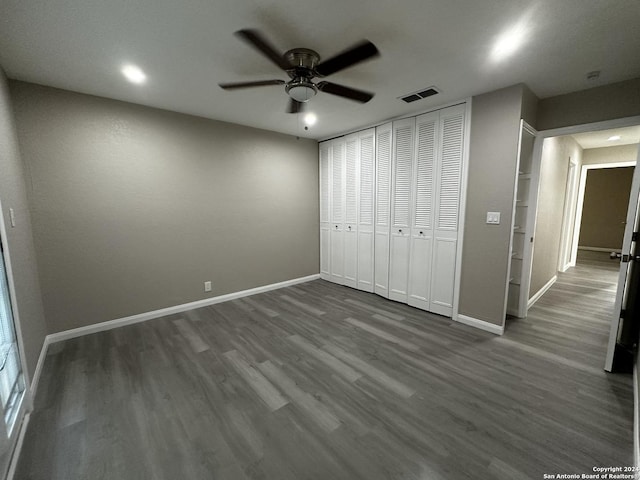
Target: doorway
x,y
566,157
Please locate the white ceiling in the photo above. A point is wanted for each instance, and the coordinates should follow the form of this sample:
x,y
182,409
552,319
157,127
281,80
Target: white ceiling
x,y
599,139
187,47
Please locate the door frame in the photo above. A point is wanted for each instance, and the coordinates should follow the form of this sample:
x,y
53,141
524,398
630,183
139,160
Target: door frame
x,y
26,406
537,160
569,216
580,202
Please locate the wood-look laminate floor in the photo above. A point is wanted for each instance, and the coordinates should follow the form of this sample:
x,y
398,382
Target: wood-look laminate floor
x,y
323,382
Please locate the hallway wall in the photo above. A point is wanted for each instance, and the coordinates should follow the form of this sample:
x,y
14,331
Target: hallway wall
x,y
556,152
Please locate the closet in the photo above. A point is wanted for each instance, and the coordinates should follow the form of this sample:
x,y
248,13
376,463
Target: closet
x,y
390,206
522,225
347,186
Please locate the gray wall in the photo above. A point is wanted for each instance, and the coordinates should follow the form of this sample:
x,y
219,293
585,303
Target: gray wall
x,y
621,153
493,152
20,240
134,208
556,152
617,100
604,212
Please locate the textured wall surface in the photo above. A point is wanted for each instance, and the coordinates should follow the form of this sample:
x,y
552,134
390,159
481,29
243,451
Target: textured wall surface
x,y
19,238
495,120
135,208
554,169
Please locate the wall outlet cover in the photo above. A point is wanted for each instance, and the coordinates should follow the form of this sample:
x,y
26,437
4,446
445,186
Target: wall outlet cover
x,y
207,286
493,218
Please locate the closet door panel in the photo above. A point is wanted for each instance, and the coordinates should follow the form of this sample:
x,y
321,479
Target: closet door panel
x,y
366,197
420,268
448,180
351,211
420,271
442,281
325,193
337,211
401,197
383,209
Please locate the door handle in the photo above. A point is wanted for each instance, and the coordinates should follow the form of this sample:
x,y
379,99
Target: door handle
x,y
624,258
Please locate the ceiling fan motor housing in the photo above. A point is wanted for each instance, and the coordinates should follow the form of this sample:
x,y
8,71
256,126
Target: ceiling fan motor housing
x,y
303,62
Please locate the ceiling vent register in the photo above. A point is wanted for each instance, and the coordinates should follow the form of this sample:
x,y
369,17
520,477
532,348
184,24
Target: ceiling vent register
x,y
412,97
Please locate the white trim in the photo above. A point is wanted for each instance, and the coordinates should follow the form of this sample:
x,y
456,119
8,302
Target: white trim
x,y
141,317
481,324
462,210
532,220
541,292
568,215
600,249
13,464
591,127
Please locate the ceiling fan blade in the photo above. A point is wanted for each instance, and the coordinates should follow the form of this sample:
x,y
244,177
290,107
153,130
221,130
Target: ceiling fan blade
x,y
259,83
260,43
360,52
295,106
346,92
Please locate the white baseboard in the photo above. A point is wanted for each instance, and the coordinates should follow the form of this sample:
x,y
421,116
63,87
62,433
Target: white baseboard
x,y
600,249
566,267
541,292
142,317
481,324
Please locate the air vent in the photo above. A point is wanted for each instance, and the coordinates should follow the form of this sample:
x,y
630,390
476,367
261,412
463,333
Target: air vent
x,y
412,97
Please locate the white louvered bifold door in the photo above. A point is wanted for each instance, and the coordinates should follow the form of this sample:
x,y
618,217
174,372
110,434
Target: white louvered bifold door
x,y
325,210
338,153
366,197
351,211
399,245
382,209
422,219
448,180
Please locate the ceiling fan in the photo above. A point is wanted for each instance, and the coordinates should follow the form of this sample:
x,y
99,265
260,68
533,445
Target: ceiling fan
x,y
303,65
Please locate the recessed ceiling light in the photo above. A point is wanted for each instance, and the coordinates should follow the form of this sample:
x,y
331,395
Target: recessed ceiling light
x,y
310,119
613,138
508,42
134,74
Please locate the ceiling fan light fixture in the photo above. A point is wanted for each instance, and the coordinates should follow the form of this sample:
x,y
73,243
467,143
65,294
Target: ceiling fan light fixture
x,y
301,90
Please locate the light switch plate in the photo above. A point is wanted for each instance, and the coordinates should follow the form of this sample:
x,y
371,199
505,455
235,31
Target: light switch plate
x,y
493,218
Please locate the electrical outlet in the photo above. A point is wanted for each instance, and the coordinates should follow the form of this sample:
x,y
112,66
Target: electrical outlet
x,y
207,286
